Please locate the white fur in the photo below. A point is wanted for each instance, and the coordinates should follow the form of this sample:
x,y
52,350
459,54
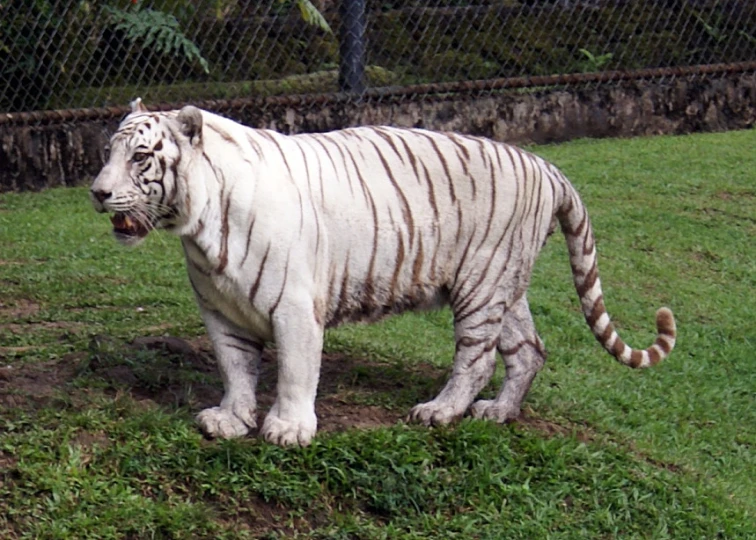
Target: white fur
x,y
284,236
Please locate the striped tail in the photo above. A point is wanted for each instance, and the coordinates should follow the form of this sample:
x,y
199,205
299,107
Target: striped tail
x,y
578,232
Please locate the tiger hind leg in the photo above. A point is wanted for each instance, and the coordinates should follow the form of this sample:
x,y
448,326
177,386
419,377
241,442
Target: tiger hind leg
x,y
474,363
524,355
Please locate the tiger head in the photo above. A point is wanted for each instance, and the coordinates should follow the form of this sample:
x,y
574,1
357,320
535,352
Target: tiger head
x,y
141,182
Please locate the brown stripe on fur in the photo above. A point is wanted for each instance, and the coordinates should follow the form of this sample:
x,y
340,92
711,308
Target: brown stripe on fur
x,y
432,274
320,170
249,239
406,210
486,322
223,257
331,286
527,342
653,356
363,183
417,266
410,155
397,269
567,208
455,139
467,341
374,252
258,279
316,214
463,155
255,145
444,165
663,344
508,150
382,134
230,140
489,222
537,212
606,334
343,159
280,150
343,293
462,310
597,311
283,287
458,235
665,323
589,243
496,148
618,348
174,188
589,281
636,358
487,349
530,197
579,230
431,193
224,135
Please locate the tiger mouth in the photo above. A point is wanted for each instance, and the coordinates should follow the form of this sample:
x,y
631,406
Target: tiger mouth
x,y
129,226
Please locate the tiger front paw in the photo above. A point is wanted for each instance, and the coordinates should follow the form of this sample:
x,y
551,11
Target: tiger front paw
x,y
228,422
297,432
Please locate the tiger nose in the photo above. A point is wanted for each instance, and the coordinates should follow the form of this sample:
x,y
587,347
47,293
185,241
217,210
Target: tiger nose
x,y
100,195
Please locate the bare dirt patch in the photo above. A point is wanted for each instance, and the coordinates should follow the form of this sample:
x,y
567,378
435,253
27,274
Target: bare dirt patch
x,y
173,373
19,309
32,385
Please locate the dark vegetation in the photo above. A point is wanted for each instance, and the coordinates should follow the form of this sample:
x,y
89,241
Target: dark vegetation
x,y
59,55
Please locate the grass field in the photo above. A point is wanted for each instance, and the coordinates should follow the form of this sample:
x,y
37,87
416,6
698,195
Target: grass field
x,y
97,438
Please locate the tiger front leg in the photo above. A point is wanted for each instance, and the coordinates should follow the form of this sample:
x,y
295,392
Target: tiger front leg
x,y
299,342
238,356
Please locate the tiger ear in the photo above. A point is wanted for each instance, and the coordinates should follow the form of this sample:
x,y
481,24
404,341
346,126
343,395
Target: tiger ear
x,y
190,124
138,106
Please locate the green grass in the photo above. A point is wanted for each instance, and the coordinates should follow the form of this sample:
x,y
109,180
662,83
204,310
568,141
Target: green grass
x,y
97,438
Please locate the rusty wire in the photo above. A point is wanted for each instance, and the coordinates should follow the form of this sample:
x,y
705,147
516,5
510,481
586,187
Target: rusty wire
x,y
435,89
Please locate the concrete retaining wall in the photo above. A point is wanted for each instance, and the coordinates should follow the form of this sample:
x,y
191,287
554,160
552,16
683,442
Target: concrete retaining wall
x,y
33,158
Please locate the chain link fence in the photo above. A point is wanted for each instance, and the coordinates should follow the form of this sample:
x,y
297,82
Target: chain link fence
x,y
58,55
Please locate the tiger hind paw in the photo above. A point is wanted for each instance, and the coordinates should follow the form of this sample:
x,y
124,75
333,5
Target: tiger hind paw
x,y
488,409
434,414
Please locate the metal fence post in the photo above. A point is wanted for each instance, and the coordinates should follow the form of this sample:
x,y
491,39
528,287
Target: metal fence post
x,y
352,46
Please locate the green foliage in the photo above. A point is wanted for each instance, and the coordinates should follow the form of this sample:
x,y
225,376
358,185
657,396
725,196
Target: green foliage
x,y
158,30
311,15
593,63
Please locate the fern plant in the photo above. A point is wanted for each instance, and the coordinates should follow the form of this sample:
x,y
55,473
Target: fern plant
x,y
151,28
311,15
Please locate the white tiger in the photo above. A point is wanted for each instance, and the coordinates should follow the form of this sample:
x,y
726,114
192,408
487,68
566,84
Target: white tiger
x,y
287,235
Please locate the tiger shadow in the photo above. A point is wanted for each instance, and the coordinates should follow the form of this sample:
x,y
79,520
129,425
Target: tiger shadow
x,y
177,374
